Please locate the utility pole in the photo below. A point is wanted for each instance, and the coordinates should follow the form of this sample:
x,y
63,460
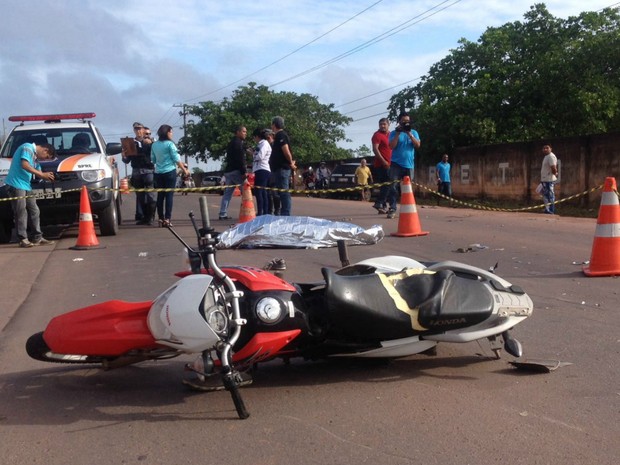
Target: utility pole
x,y
183,113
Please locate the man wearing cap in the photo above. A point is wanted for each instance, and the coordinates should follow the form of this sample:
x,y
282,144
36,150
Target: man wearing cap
x,y
142,175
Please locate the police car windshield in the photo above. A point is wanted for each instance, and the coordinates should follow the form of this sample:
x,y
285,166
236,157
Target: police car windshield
x,y
69,141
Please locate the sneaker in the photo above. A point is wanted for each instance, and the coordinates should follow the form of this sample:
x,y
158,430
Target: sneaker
x,y
25,243
391,214
225,217
381,210
42,241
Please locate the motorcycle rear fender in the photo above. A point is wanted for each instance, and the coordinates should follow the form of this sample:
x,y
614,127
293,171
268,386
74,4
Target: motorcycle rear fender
x,y
252,278
109,328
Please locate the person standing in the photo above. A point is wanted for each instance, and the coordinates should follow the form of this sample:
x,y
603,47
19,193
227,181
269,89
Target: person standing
x,y
165,156
362,176
403,141
261,170
24,166
383,156
282,164
444,183
142,175
235,169
548,177
323,174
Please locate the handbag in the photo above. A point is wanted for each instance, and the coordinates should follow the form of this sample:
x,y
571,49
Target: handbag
x,y
539,188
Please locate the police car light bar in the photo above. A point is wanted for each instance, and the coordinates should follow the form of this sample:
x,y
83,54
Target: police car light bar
x,y
63,116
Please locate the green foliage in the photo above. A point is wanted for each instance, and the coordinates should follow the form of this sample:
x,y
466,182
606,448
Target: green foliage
x,y
313,128
543,77
363,151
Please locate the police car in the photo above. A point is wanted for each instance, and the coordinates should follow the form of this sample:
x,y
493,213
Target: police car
x,y
82,159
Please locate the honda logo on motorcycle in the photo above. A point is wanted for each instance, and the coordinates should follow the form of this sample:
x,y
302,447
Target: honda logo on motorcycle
x,y
453,321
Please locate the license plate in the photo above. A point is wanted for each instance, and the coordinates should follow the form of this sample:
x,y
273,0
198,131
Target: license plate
x,y
56,193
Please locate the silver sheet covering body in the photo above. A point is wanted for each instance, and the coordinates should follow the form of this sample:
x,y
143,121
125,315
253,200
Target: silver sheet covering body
x,y
297,232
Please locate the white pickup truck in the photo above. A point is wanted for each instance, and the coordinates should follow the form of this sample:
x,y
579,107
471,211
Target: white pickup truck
x,y
88,164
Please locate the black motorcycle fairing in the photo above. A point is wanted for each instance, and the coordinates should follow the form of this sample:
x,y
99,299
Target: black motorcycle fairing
x,y
399,305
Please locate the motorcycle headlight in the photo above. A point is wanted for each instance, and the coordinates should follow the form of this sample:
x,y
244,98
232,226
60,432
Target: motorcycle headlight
x,y
217,320
269,309
92,175
215,311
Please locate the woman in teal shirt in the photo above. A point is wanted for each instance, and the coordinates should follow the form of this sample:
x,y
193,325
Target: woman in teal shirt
x,y
165,156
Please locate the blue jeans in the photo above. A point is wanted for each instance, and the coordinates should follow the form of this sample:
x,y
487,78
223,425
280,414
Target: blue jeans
x,y
232,178
396,173
282,181
262,197
445,188
548,194
26,215
145,201
165,181
380,176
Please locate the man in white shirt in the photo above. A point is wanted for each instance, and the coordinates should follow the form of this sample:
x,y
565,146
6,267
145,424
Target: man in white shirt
x,y
548,177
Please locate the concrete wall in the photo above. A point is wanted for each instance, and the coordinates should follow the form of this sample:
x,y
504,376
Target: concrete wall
x,y
512,171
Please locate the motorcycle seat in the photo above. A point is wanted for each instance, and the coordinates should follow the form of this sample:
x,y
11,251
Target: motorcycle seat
x,y
404,304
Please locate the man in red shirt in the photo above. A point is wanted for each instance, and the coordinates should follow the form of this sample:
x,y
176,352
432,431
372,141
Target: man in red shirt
x,y
383,156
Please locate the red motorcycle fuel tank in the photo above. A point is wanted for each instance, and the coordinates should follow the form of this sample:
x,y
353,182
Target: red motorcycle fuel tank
x,y
109,328
254,279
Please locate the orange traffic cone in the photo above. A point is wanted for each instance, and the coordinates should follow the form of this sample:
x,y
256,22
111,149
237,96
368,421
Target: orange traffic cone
x,y
408,221
605,258
237,192
87,239
247,211
125,186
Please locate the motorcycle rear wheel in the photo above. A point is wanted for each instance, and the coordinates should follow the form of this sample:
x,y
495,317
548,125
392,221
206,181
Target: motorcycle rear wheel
x,y
37,348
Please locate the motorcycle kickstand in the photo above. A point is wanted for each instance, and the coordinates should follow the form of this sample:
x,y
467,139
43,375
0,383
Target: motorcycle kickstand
x,y
496,346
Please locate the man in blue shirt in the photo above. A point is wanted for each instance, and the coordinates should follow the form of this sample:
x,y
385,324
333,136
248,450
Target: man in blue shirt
x,y
443,177
403,142
24,166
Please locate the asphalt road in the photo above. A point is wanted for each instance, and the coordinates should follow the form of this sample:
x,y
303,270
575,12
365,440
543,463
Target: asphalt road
x,y
459,407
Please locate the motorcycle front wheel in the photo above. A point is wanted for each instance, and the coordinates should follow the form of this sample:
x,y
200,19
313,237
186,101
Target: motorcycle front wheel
x,y
37,348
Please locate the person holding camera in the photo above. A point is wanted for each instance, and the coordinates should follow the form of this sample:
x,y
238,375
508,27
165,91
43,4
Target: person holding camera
x,y
404,140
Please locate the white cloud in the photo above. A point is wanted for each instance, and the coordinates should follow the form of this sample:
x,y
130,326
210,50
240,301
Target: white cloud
x,y
133,60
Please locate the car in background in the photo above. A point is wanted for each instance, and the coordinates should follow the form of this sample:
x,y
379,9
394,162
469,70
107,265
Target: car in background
x,y
343,176
213,181
83,159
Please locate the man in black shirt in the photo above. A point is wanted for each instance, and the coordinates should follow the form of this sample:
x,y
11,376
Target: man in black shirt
x,y
142,176
235,168
281,163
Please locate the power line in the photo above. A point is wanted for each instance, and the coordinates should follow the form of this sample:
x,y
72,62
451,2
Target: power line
x,y
288,54
379,92
395,30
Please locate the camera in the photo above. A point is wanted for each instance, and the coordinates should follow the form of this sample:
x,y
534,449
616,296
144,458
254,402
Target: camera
x,y
405,127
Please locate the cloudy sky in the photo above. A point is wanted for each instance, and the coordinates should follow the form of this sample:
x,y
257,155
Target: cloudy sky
x,y
132,60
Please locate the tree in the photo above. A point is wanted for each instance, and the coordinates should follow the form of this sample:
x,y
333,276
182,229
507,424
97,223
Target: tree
x,y
314,128
544,77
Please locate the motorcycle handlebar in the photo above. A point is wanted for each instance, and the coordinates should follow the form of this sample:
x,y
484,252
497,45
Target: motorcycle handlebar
x,y
204,213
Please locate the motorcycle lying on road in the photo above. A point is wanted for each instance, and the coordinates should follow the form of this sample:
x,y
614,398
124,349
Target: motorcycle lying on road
x,y
235,317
